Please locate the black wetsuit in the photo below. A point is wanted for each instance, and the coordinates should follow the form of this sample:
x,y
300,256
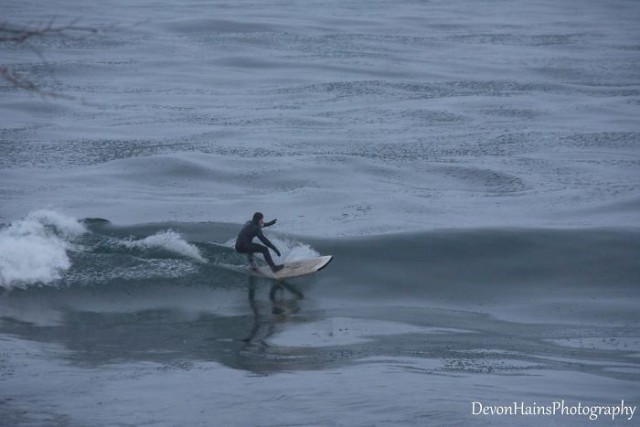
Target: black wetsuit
x,y
245,245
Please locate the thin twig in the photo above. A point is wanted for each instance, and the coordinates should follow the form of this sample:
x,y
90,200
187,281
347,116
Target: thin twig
x,y
21,35
28,85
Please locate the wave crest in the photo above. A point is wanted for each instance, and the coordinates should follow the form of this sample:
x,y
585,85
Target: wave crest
x,y
168,240
34,249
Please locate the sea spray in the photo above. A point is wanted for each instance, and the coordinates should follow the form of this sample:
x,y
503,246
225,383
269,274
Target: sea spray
x,y
35,249
292,250
169,240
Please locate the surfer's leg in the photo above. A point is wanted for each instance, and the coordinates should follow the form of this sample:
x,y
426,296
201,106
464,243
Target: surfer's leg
x,y
252,262
258,248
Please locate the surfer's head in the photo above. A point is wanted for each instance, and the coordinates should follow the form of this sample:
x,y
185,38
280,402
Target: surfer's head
x,y
258,217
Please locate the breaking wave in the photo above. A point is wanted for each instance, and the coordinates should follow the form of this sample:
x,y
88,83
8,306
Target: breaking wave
x,y
36,248
169,240
49,248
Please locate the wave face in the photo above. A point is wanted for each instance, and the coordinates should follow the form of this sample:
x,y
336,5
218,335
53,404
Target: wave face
x,y
48,248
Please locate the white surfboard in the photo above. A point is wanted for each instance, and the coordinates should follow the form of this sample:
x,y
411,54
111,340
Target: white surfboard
x,y
296,268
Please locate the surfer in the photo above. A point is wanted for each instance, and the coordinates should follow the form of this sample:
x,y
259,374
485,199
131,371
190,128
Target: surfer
x,y
245,245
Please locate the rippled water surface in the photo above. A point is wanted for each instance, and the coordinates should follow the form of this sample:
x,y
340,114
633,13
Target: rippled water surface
x,y
472,166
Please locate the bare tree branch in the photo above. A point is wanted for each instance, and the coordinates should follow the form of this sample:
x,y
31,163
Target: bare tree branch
x,y
10,33
28,85
22,34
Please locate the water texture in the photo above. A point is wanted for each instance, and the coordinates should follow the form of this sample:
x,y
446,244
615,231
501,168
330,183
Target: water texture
x,y
471,165
358,118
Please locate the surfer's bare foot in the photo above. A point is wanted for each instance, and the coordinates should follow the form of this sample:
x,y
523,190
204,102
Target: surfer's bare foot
x,y
277,268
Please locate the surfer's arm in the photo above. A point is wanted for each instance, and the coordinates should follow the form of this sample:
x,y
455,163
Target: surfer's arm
x,y
269,224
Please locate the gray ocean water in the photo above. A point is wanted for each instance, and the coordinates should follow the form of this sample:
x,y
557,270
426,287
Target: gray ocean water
x,y
471,165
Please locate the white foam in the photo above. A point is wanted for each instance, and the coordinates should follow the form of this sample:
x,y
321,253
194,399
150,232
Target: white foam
x,y
34,249
169,240
292,250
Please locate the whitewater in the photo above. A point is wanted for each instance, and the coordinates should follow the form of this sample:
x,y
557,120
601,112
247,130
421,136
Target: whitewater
x,y
472,166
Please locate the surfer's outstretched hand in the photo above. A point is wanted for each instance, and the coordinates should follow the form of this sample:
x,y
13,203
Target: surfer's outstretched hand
x,y
270,223
276,251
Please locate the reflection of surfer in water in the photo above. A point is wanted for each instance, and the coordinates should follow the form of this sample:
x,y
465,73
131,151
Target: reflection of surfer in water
x,y
264,326
245,245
